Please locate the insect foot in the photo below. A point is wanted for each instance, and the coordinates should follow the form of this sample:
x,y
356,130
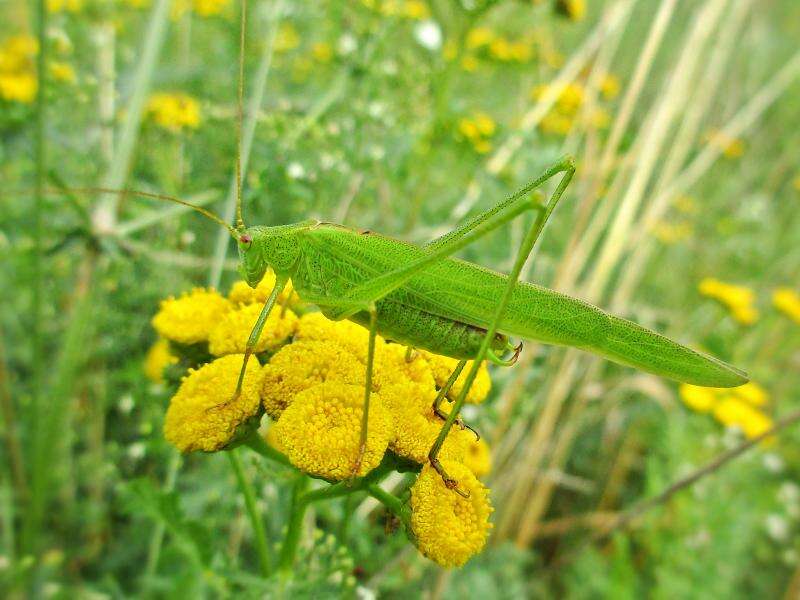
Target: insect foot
x,y
459,421
449,482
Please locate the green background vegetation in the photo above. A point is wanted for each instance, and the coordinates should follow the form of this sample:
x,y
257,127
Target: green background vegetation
x,y
361,123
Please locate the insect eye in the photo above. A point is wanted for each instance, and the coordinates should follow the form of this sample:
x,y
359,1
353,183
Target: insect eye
x,y
245,239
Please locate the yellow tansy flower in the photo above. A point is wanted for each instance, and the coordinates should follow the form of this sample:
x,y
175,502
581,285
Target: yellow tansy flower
x,y
71,6
699,399
18,82
62,71
319,432
190,318
322,51
301,365
416,426
416,9
479,37
209,8
731,147
202,414
609,86
158,358
443,367
739,299
230,335
787,301
391,365
448,528
355,338
752,393
241,293
478,458
574,10
733,412
478,130
287,38
174,112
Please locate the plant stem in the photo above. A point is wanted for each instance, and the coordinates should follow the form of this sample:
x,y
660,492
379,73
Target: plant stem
x,y
298,511
252,510
37,363
257,444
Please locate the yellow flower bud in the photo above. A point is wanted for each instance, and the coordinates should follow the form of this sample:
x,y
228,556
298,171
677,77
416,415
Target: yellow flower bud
x,y
158,358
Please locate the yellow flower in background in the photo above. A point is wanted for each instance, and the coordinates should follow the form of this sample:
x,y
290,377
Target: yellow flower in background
x,y
787,301
574,10
71,6
686,204
734,412
739,300
315,327
478,458
190,318
286,38
319,432
174,112
303,364
209,8
479,37
416,427
62,71
443,367
18,81
739,406
448,528
730,147
470,64
752,393
203,414
158,358
230,334
322,52
699,399
796,183
416,9
478,131
672,232
609,86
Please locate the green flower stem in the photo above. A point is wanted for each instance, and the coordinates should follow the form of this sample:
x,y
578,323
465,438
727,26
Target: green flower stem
x,y
393,503
298,511
258,445
301,500
252,510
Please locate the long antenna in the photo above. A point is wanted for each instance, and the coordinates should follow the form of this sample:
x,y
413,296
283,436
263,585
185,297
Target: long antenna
x,y
100,190
239,117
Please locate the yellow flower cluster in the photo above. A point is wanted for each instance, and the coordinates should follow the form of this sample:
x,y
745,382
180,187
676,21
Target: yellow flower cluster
x,y
731,147
312,385
174,111
478,130
449,528
485,44
406,9
70,6
787,301
739,300
733,407
324,351
562,116
672,232
18,82
158,358
574,10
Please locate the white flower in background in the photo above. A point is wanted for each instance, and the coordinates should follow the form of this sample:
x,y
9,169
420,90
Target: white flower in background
x,y
777,527
428,35
773,463
295,171
347,44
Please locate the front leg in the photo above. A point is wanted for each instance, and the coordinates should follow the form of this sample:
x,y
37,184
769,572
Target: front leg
x,y
373,331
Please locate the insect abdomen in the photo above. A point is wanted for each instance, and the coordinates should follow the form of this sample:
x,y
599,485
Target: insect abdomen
x,y
419,329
